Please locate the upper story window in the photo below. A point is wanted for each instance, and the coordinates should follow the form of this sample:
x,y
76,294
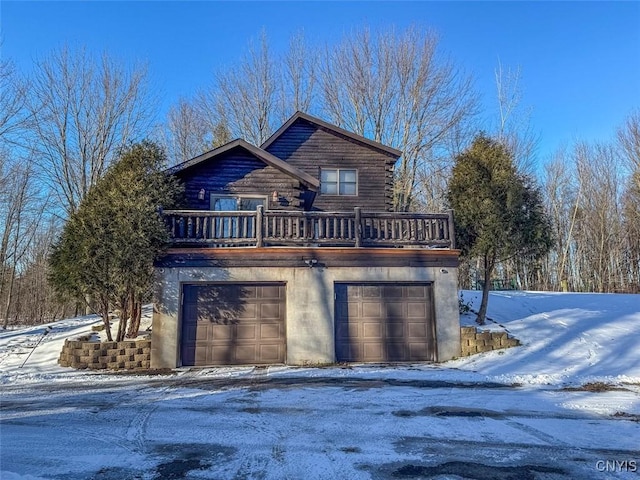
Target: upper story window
x,y
338,181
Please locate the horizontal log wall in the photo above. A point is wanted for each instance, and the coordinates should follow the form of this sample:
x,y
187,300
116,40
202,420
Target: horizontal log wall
x,y
239,173
312,148
475,341
126,355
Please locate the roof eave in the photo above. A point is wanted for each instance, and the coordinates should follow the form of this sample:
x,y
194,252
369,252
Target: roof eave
x,y
309,118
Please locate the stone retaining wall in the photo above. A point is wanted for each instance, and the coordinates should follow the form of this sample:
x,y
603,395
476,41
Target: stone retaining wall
x,y
475,341
126,355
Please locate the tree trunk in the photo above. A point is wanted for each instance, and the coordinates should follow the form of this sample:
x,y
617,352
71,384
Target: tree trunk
x,y
104,311
488,270
124,317
136,314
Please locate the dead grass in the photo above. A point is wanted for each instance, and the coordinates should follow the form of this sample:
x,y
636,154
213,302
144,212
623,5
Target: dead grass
x,y
595,387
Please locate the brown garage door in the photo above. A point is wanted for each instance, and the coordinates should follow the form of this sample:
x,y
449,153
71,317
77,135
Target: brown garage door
x,y
385,322
233,324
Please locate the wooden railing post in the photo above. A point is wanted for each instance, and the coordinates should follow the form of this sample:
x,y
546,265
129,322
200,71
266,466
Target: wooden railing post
x,y
259,219
358,226
452,230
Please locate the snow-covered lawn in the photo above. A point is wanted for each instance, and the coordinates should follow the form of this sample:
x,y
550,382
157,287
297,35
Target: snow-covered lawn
x,y
515,413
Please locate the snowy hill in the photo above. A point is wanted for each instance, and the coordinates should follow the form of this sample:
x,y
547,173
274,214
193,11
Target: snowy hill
x,y
567,338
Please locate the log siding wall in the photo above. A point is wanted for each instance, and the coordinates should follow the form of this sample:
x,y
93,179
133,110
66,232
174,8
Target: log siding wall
x,y
311,148
239,173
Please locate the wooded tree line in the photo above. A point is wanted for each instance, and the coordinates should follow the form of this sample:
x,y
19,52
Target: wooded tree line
x,y
63,122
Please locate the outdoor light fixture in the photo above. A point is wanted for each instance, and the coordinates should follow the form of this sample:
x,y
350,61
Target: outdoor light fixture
x,y
274,196
201,194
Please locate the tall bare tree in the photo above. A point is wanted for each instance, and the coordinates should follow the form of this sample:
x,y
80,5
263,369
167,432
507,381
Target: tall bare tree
x,y
13,97
244,97
513,127
21,210
397,88
629,142
85,108
188,133
298,80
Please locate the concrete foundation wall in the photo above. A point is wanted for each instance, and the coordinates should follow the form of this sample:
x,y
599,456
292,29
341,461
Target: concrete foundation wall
x,y
309,307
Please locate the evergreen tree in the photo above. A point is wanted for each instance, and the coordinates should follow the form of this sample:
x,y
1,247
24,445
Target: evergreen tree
x,y
108,246
498,212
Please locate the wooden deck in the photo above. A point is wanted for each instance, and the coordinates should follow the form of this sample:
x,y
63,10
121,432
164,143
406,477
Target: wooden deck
x,y
263,228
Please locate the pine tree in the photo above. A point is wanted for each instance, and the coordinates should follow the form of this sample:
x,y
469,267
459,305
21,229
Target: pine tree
x,y
498,212
108,246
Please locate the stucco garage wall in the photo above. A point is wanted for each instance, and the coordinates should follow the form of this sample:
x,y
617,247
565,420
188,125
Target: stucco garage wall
x,y
309,305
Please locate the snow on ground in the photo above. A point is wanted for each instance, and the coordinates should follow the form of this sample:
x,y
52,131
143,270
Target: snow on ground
x,y
567,338
501,414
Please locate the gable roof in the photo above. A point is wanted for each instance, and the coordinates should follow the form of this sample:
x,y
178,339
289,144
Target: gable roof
x,y
271,160
321,123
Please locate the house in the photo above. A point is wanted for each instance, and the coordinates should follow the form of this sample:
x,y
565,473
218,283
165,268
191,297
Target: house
x,y
290,253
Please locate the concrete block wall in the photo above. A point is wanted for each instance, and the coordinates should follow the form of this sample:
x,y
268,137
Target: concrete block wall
x,y
475,341
126,355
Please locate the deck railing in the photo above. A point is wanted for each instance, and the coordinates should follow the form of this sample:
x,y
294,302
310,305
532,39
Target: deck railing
x,y
277,227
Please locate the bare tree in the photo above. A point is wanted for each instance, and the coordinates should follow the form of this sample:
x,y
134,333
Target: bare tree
x,y
188,133
629,142
85,108
598,221
22,210
297,84
514,121
244,97
399,90
13,97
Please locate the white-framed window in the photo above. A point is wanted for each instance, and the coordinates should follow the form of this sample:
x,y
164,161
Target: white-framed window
x,y
338,181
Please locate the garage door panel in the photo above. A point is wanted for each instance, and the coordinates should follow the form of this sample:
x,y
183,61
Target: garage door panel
x,y
249,312
369,291
271,352
392,291
271,331
271,292
372,330
395,330
417,353
416,291
417,330
384,322
216,333
349,330
221,356
271,311
247,332
394,309
372,352
371,310
245,354
396,352
416,310
227,324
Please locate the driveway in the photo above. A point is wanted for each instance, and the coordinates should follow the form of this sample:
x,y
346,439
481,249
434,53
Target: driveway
x,y
342,423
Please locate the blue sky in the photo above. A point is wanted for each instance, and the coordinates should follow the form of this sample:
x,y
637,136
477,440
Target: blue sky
x,y
580,61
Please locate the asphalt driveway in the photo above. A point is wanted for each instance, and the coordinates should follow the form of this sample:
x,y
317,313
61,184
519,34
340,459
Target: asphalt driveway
x,y
309,423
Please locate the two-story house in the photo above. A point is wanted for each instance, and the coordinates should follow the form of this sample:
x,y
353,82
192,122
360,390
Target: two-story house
x,y
290,253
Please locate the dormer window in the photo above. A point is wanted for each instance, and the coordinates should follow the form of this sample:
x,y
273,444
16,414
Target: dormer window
x,y
338,181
